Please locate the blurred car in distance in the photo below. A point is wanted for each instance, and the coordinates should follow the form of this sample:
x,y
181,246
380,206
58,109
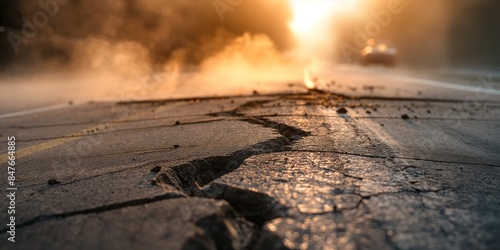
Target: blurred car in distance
x,y
379,52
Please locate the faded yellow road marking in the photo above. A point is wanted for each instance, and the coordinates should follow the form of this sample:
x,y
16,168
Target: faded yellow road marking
x,y
75,136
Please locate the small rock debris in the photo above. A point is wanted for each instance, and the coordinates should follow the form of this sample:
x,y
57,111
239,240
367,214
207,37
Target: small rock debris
x,y
405,117
176,146
342,111
177,123
53,182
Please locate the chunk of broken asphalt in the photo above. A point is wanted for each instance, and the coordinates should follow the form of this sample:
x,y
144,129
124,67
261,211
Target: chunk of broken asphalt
x,y
405,117
342,111
156,169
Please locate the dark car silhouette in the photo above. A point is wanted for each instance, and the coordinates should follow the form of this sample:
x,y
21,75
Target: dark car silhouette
x,y
379,52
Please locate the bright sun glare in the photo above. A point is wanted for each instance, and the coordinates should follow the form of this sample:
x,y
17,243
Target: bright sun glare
x,y
310,25
308,14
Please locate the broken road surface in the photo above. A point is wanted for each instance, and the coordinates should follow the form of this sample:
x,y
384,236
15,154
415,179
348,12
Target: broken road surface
x,y
401,166
264,172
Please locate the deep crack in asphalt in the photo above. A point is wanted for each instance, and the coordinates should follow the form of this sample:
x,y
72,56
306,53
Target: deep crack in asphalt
x,y
255,207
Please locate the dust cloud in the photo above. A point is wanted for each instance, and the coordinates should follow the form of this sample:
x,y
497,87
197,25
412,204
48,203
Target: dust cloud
x,y
120,50
131,49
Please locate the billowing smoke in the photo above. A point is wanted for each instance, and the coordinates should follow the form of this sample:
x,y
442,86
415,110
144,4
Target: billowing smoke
x,y
184,47
156,30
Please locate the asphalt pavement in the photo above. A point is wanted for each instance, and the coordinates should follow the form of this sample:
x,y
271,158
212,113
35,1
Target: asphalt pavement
x,y
374,158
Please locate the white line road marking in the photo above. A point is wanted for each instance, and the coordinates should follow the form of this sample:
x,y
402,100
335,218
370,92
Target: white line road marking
x,y
37,110
439,84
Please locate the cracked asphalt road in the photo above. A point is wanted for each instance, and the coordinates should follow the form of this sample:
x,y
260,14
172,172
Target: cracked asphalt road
x,y
277,171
